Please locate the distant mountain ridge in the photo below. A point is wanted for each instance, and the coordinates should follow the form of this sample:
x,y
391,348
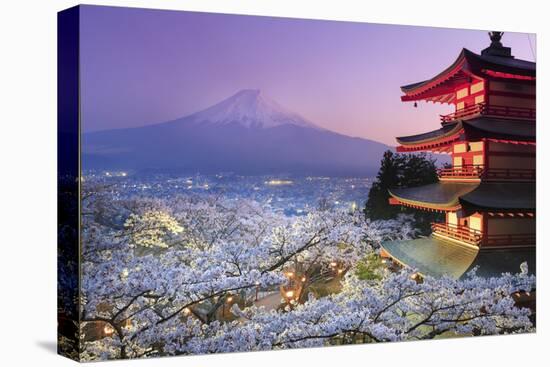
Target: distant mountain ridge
x,y
247,133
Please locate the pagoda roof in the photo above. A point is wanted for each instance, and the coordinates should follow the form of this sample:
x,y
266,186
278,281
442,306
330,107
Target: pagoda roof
x,y
448,130
468,64
435,257
487,127
438,196
475,129
487,196
501,196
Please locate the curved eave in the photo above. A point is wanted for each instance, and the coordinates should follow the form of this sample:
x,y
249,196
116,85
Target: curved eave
x,y
425,205
504,129
421,90
436,257
501,196
446,134
441,196
467,63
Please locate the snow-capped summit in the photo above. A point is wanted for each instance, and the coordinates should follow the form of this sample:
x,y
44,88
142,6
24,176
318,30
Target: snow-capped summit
x,y
250,108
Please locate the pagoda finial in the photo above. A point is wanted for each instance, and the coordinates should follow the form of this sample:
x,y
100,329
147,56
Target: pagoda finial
x,y
495,38
496,48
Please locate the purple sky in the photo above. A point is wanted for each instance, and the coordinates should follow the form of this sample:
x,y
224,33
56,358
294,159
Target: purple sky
x,y
143,67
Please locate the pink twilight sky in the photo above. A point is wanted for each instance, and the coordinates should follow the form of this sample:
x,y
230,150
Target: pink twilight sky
x,y
142,67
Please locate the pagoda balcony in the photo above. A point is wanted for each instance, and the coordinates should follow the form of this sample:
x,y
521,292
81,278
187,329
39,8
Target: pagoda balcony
x,y
479,172
459,233
466,171
477,238
489,110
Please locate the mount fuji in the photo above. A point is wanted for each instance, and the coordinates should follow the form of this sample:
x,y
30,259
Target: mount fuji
x,y
247,133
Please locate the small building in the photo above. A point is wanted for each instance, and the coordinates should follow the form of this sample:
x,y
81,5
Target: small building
x,y
488,192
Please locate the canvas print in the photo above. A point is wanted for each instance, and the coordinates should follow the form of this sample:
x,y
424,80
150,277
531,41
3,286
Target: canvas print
x,y
234,183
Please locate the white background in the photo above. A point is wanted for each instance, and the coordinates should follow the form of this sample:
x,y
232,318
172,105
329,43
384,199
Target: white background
x,y
28,180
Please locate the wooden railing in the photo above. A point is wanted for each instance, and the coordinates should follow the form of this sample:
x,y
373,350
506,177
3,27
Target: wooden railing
x,y
466,112
479,171
466,171
461,233
484,109
477,238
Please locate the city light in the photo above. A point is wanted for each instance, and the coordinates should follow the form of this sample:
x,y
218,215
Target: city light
x,y
278,182
229,299
186,311
108,329
289,294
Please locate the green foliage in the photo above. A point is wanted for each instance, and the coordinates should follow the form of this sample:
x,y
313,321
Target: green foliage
x,y
370,268
401,170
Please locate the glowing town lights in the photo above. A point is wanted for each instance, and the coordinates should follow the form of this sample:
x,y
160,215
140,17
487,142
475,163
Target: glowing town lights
x,y
289,294
340,271
303,279
278,182
290,274
108,329
333,264
186,311
123,174
229,299
125,273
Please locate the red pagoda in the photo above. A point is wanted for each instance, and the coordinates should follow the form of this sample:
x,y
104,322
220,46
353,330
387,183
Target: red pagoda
x,y
488,192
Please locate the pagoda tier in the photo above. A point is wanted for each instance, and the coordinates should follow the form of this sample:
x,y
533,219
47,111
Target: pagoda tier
x,y
468,67
482,148
485,196
491,84
493,129
485,215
